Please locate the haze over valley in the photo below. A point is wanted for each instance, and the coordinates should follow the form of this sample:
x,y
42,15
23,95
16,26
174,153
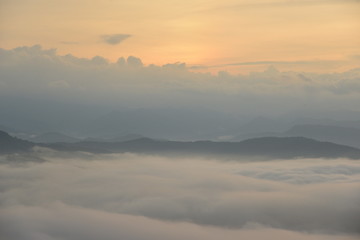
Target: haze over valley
x,y
158,120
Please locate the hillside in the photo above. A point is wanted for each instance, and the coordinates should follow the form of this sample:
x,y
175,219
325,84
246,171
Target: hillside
x,y
9,144
336,134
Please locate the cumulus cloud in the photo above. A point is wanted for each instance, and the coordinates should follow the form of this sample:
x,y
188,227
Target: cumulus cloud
x,y
26,68
134,61
114,39
147,197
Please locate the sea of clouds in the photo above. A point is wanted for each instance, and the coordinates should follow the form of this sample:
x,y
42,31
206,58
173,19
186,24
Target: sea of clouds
x,y
48,195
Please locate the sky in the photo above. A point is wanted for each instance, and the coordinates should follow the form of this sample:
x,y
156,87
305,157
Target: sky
x,y
69,64
185,70
233,35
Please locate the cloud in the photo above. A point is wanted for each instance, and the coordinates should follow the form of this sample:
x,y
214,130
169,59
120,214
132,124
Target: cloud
x,y
134,61
94,87
259,63
114,39
59,221
305,174
88,196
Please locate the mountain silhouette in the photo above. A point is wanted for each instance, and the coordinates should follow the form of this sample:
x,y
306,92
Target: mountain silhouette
x,y
337,134
349,136
265,147
9,144
119,138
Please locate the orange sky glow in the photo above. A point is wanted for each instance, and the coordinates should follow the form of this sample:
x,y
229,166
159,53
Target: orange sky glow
x,y
236,36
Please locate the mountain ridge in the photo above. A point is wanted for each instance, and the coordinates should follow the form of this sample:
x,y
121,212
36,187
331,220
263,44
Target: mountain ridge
x,y
265,147
9,144
349,136
272,147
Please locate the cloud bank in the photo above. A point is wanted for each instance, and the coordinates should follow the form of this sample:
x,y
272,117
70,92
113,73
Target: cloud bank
x,y
33,71
66,93
128,196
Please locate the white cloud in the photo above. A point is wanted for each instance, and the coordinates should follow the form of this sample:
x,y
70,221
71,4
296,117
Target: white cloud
x,y
88,196
59,221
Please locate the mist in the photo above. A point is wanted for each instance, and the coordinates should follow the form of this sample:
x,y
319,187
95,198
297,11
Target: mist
x,y
180,120
53,195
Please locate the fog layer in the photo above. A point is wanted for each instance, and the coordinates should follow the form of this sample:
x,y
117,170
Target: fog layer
x,y
126,196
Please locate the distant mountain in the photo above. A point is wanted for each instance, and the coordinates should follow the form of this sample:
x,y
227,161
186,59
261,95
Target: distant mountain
x,y
53,137
127,137
328,122
262,124
9,144
20,123
336,134
121,138
266,147
349,136
7,129
165,123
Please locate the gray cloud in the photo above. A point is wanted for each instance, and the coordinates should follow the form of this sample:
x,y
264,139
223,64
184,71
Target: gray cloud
x,y
30,79
20,65
134,61
259,63
114,39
